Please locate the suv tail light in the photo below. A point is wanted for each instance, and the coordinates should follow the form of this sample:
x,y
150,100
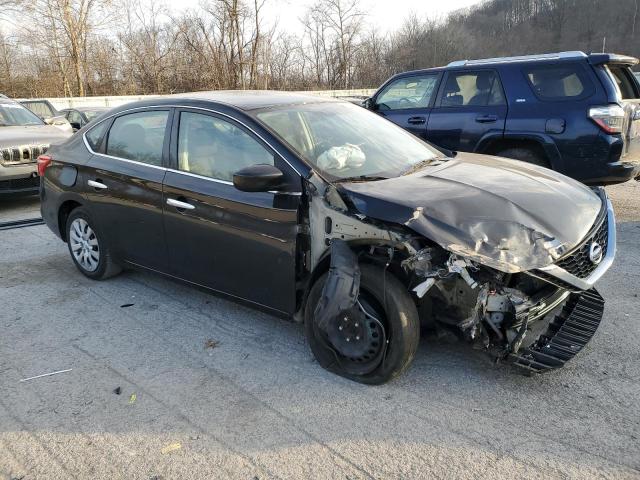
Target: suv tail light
x,y
609,118
43,162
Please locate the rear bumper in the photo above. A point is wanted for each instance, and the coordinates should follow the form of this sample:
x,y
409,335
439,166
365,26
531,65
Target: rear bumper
x,y
616,172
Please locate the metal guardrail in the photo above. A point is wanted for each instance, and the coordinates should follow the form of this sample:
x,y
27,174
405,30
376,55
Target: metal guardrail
x,y
117,100
28,222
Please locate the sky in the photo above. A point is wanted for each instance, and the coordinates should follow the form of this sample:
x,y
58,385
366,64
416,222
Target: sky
x,y
388,15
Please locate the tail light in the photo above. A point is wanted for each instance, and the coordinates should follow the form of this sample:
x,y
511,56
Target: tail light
x,y
609,118
43,162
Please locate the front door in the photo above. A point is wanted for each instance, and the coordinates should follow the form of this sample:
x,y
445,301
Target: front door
x,y
239,243
470,106
124,185
407,101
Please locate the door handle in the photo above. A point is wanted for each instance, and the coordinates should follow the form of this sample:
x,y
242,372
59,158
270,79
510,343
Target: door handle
x,y
97,185
416,120
179,205
487,118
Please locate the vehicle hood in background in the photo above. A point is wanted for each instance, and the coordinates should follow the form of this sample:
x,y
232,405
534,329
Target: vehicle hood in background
x,y
506,214
31,135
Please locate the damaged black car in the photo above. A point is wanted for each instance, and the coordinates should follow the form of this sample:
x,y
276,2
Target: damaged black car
x,y
323,212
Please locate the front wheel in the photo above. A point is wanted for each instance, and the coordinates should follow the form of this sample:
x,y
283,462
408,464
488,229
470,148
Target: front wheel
x,y
376,340
88,247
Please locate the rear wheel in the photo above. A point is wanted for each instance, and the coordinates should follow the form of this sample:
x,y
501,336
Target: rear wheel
x,y
88,247
373,342
526,155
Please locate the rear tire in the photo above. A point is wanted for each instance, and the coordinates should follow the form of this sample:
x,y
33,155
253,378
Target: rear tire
x,y
401,322
526,155
88,247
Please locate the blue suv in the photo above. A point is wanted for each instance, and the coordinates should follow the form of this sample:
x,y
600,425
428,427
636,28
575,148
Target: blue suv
x,y
578,114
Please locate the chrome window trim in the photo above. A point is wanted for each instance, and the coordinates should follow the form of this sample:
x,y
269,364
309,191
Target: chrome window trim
x,y
605,264
217,112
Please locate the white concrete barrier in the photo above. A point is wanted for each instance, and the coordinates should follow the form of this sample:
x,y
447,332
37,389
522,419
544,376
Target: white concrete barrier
x,y
117,100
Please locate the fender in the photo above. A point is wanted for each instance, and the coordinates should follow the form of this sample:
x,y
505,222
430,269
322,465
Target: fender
x,y
544,141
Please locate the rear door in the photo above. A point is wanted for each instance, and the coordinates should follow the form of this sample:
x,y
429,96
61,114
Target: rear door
x,y
239,243
407,101
629,95
470,105
124,186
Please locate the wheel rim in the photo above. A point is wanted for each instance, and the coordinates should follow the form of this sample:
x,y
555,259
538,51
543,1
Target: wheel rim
x,y
365,325
84,245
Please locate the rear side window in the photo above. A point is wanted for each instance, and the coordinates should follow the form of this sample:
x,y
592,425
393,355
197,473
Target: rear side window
x,y
472,88
623,78
138,136
558,82
95,135
408,92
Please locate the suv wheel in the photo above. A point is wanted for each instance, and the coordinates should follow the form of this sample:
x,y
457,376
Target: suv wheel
x,y
88,247
526,155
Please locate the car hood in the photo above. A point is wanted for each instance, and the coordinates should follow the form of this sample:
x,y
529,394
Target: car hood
x,y
506,214
31,135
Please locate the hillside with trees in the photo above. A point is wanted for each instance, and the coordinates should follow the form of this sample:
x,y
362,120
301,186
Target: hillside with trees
x,y
119,47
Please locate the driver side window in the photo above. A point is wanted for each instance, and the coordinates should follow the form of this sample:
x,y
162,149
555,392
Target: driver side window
x,y
215,148
408,92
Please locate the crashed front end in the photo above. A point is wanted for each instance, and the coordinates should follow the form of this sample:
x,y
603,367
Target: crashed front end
x,y
535,317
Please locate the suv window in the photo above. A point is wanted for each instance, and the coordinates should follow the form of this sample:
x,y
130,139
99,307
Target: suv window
x,y
557,82
215,148
74,117
138,136
408,92
472,88
624,81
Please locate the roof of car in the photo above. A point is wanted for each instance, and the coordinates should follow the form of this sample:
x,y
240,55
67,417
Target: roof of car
x,y
252,99
86,109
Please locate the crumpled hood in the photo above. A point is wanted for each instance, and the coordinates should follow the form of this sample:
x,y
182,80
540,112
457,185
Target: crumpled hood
x,y
31,135
506,214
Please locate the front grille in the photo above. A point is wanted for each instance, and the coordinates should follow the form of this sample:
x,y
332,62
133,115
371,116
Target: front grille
x,y
578,263
20,155
566,334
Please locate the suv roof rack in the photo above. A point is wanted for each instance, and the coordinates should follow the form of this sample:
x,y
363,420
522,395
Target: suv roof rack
x,y
521,58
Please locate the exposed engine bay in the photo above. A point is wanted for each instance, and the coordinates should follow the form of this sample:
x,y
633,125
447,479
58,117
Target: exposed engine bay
x,y
517,315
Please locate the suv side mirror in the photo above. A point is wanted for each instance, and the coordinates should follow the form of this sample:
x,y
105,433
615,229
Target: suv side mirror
x,y
369,104
258,178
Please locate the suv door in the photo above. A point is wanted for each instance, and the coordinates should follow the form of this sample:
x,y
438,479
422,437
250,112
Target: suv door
x,y
470,106
124,185
407,101
239,243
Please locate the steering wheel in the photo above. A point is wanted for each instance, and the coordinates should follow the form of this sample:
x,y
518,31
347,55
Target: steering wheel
x,y
404,101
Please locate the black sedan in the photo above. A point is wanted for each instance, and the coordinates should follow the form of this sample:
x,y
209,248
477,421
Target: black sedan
x,y
323,212
78,117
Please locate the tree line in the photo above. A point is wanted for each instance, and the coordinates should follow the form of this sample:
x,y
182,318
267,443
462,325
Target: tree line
x,y
124,47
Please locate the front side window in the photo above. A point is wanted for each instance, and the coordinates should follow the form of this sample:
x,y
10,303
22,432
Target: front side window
x,y
472,88
138,136
13,114
343,140
215,148
560,82
74,117
408,92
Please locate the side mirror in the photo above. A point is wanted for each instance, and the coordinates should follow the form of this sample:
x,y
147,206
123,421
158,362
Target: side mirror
x,y
369,104
48,120
258,178
76,126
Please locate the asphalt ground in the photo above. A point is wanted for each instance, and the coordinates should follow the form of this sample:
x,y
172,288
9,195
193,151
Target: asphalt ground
x,y
171,382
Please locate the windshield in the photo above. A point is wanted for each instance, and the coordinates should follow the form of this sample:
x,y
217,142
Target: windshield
x,y
14,114
344,141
